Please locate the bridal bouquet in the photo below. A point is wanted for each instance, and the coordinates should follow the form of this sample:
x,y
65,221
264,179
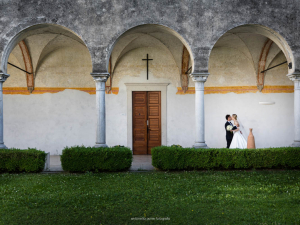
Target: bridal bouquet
x,y
229,127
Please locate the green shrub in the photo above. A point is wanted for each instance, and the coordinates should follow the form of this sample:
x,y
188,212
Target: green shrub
x,y
17,160
82,159
176,146
176,158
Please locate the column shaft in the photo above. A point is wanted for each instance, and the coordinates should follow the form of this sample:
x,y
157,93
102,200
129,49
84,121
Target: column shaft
x,y
297,113
199,114
100,80
199,80
3,78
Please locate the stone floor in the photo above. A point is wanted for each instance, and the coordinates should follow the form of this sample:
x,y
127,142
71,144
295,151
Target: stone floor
x,y
139,163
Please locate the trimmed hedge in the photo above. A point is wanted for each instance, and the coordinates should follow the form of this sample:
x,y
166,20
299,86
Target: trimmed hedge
x,y
176,158
82,159
17,160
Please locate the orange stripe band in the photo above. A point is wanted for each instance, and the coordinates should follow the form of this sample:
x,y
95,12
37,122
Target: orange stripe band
x,y
39,90
238,90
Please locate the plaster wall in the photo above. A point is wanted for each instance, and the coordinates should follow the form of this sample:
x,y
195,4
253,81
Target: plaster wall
x,y
277,76
52,121
17,77
272,124
58,61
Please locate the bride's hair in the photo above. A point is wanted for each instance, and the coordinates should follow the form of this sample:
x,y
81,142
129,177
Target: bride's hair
x,y
234,116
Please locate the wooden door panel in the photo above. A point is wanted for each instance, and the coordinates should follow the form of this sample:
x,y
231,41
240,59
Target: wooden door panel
x,y
139,122
153,97
154,118
154,123
153,110
140,97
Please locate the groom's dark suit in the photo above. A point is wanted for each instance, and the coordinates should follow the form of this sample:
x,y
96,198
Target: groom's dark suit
x,y
229,134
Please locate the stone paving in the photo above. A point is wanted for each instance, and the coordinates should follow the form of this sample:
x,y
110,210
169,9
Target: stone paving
x,y
139,163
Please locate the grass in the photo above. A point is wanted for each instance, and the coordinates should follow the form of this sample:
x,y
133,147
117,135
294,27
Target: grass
x,y
211,197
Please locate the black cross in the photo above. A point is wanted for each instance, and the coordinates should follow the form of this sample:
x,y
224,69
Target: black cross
x,y
147,64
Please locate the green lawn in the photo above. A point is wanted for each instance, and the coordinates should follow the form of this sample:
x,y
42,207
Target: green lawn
x,y
212,197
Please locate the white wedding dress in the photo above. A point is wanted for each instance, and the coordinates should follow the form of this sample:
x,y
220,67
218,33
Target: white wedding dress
x,y
238,140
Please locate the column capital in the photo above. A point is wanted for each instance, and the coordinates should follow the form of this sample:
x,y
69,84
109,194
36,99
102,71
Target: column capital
x,y
101,77
199,77
3,76
295,76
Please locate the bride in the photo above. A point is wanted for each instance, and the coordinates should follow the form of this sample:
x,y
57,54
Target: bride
x,y
238,140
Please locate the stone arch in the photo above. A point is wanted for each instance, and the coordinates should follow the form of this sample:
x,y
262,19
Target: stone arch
x,y
273,35
34,27
258,49
143,29
157,36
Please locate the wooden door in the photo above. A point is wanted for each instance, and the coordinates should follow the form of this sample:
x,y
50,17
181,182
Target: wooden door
x,y
154,120
139,122
146,121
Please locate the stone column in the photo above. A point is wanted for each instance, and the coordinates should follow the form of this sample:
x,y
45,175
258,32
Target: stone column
x,y
296,78
3,78
199,79
100,79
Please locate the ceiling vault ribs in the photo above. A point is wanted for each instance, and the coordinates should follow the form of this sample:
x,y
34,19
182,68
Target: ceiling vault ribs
x,y
262,64
28,66
184,69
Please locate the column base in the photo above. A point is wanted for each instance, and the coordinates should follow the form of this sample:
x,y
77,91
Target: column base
x,y
3,146
200,145
296,144
100,145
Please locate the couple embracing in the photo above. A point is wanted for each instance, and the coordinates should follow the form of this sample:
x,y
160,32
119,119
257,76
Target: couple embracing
x,y
235,134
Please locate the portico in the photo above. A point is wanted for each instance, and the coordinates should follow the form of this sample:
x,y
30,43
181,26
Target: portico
x,y
201,77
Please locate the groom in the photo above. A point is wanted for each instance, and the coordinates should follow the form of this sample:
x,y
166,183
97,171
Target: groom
x,y
229,134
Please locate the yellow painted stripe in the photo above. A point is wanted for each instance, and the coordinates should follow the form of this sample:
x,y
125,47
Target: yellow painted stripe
x,y
191,90
238,90
39,90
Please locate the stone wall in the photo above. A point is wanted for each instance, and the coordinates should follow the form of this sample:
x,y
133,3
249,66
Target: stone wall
x,y
199,23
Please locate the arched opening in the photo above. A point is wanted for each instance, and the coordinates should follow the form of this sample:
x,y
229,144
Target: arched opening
x,y
245,55
171,61
248,67
52,87
171,52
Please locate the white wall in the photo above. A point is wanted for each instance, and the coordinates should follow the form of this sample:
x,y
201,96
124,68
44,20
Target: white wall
x,y
49,122
52,121
273,125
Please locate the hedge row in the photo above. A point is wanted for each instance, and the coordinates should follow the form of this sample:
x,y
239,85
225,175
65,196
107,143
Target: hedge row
x,y
17,160
82,159
177,158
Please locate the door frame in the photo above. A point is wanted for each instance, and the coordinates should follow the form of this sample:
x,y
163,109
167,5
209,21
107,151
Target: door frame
x,y
162,87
